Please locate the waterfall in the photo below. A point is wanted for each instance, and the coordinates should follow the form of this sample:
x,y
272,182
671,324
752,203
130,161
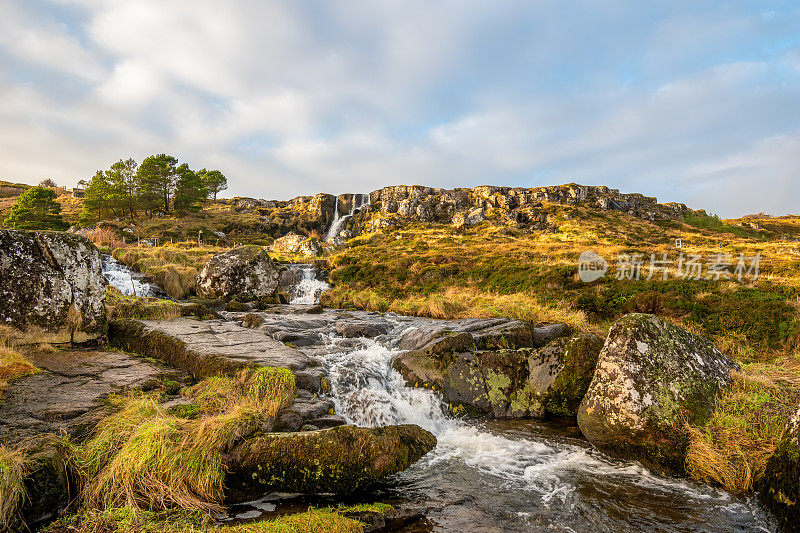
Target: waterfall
x,y
127,281
309,289
359,201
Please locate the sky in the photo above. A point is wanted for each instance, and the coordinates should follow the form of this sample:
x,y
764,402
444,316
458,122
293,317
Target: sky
x,y
690,101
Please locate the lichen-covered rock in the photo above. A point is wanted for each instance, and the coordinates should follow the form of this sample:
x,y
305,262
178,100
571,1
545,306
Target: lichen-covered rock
x,y
242,274
651,377
341,460
504,376
780,486
297,244
52,281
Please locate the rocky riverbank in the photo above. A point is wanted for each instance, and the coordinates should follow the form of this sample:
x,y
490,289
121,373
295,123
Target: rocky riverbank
x,y
270,397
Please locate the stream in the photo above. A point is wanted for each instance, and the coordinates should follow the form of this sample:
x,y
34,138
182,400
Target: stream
x,y
501,475
484,475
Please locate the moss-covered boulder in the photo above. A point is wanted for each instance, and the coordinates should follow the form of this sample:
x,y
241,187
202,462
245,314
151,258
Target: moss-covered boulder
x,y
506,383
244,274
652,377
780,486
51,281
339,460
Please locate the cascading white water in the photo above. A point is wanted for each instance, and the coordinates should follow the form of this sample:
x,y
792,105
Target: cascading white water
x,y
359,201
523,474
127,281
308,290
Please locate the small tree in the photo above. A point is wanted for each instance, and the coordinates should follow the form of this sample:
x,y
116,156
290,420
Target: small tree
x,y
36,208
48,183
214,180
190,192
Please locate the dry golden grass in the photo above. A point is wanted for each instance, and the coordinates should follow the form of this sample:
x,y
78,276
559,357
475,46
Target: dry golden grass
x,y
105,237
733,447
12,489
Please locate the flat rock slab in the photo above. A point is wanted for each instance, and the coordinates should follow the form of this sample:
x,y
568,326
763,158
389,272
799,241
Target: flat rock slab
x,y
67,395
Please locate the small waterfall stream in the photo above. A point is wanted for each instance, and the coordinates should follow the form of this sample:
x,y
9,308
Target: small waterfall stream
x,y
517,475
127,281
307,292
359,201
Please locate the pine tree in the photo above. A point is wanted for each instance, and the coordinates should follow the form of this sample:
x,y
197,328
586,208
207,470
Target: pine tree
x,y
156,179
36,208
214,180
190,192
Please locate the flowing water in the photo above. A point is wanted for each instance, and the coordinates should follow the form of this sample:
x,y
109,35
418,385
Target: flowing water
x,y
518,476
359,201
501,475
127,281
307,292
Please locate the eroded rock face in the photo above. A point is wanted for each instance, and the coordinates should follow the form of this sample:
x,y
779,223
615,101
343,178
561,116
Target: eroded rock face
x,y
297,244
43,275
651,375
780,485
340,460
242,274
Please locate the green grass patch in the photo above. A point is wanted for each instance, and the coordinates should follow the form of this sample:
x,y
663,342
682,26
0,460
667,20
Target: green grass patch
x,y
143,457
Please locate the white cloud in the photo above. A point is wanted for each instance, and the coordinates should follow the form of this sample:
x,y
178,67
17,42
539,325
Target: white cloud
x,y
297,97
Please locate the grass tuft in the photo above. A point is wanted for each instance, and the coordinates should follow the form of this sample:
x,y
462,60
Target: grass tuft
x,y
12,489
143,457
733,447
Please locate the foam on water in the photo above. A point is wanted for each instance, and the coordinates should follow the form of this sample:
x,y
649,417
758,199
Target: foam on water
x,y
309,289
367,391
127,281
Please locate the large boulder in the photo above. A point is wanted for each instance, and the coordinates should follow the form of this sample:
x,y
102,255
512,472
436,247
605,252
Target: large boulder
x,y
297,244
780,485
242,274
526,382
341,460
51,281
652,377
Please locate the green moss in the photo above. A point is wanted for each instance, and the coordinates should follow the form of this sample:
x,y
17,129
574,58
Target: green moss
x,y
568,389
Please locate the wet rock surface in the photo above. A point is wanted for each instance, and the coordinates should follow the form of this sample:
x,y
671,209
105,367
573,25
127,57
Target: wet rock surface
x,y
650,377
242,274
45,274
67,395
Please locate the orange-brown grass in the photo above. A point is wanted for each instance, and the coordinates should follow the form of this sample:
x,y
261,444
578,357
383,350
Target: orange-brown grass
x,y
733,447
13,364
105,237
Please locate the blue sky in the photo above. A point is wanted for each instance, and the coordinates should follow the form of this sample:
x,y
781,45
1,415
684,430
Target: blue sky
x,y
692,101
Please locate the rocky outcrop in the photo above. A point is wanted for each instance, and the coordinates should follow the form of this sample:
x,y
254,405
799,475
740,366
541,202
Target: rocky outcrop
x,y
651,378
780,486
212,347
297,244
463,207
242,274
340,460
51,281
